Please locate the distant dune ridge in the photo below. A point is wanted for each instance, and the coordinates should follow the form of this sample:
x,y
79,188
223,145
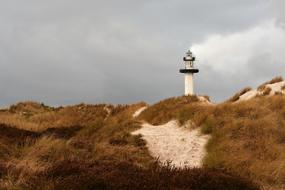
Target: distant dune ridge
x,y
178,143
270,88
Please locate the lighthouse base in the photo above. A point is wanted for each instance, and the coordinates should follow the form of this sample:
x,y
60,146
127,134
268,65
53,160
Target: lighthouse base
x,y
189,87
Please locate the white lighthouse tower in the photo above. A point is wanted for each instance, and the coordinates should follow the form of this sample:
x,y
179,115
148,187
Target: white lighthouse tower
x,y
189,71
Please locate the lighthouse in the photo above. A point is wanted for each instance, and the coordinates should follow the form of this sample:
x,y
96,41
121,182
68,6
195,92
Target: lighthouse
x,y
189,71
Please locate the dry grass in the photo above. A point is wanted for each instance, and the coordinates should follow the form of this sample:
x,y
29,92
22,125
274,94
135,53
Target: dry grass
x,y
95,127
17,121
248,138
29,107
251,141
90,147
38,117
181,108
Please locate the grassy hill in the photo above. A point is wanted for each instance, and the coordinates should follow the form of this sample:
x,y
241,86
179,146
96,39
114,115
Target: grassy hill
x,y
247,137
90,147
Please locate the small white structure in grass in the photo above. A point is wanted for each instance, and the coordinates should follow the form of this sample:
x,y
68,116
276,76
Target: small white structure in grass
x,y
189,71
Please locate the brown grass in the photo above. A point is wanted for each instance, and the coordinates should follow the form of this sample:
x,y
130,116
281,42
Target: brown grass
x,y
249,142
181,108
38,117
82,132
248,138
87,147
29,107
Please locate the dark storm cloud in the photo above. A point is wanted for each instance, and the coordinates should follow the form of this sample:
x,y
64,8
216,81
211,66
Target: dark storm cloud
x,y
70,51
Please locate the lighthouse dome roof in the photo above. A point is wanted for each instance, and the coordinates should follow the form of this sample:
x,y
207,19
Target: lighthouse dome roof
x,y
189,53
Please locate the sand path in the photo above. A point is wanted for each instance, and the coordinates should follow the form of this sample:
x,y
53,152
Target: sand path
x,y
181,146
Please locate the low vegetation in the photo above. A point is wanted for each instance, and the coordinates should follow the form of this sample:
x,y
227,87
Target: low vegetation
x,y
90,147
247,138
180,108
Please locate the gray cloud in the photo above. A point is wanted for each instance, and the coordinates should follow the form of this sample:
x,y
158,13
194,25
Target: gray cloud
x,y
241,59
277,9
70,51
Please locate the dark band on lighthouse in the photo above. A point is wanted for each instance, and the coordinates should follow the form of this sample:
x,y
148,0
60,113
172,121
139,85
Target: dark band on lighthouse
x,y
189,70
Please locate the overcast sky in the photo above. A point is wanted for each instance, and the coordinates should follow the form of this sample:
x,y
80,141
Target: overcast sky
x,y
70,51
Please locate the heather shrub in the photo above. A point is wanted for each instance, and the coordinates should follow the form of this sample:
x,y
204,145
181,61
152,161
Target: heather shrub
x,y
79,174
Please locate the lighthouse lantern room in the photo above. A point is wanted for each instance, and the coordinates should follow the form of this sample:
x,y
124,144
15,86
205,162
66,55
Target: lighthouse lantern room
x,y
189,71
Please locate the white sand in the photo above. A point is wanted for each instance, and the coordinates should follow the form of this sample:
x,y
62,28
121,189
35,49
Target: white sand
x,y
108,112
275,88
139,111
183,147
204,100
248,95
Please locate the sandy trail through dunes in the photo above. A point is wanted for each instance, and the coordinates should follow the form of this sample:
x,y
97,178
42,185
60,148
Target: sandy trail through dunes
x,y
170,142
